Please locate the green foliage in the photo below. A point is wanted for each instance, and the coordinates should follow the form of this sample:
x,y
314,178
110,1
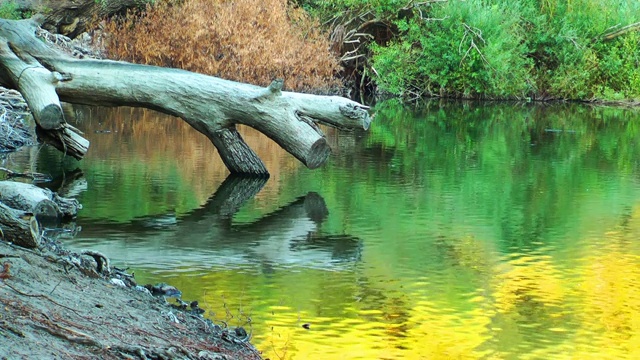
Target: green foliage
x,y
471,50
11,10
571,59
332,8
502,49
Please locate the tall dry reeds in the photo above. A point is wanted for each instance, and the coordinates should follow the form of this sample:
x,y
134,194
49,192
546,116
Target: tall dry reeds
x,y
241,40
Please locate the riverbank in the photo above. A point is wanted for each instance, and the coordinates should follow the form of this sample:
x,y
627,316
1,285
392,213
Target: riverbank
x,y
55,305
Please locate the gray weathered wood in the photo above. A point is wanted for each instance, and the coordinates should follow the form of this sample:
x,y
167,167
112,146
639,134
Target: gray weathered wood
x,y
67,139
33,81
19,228
38,201
211,105
236,154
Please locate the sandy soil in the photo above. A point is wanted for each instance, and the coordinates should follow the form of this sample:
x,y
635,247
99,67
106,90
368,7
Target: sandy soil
x,y
55,305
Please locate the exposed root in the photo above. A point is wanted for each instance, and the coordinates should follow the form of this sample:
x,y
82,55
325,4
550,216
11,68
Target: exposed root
x,y
101,259
37,295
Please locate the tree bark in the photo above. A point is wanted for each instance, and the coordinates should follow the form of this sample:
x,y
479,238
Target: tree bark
x,y
23,205
37,201
211,105
19,227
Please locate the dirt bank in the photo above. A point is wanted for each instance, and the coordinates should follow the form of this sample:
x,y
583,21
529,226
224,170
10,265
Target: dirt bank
x,y
54,305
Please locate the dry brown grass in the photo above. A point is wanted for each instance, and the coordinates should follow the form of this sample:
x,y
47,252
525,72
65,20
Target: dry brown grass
x,y
241,40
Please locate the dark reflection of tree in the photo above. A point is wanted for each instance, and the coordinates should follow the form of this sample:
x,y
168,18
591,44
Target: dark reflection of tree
x,y
289,235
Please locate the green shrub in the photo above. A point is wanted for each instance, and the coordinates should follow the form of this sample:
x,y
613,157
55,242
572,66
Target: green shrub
x,y
499,48
466,49
11,10
571,59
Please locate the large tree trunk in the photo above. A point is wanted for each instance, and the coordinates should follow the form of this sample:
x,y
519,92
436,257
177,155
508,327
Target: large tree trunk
x,y
72,17
211,105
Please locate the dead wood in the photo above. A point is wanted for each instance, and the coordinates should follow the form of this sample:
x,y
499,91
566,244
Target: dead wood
x,y
211,105
37,201
19,227
621,31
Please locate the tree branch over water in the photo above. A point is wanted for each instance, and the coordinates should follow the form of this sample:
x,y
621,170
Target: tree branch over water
x,y
213,106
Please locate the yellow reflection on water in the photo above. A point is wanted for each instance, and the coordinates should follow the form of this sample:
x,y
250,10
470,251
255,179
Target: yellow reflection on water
x,y
529,305
532,306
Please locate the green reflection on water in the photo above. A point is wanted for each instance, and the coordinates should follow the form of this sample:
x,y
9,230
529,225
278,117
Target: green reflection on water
x,y
453,231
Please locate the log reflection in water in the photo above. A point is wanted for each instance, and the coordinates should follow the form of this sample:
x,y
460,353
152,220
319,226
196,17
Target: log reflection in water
x,y
208,237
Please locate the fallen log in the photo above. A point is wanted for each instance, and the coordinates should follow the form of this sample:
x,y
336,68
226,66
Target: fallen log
x,y
213,106
42,203
22,206
19,227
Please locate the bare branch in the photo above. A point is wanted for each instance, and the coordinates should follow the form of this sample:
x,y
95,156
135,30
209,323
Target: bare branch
x,y
614,34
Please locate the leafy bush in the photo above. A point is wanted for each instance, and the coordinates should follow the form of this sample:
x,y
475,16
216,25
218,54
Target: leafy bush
x,y
11,10
499,48
464,49
242,40
574,62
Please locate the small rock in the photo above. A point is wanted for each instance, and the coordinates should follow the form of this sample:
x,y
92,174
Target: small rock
x,y
118,282
206,355
163,289
195,308
142,289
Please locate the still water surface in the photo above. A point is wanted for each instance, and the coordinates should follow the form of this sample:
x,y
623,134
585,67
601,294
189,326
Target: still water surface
x,y
462,231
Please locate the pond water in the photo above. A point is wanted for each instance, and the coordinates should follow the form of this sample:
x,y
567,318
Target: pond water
x,y
456,230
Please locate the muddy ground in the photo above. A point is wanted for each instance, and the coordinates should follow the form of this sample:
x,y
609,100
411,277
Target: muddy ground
x,y
55,305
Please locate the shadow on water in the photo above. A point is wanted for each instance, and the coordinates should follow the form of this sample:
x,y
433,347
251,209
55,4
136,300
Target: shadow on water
x,y
208,235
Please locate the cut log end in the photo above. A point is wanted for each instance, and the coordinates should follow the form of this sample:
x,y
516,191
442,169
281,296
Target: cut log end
x,y
67,139
318,154
357,113
51,117
19,228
